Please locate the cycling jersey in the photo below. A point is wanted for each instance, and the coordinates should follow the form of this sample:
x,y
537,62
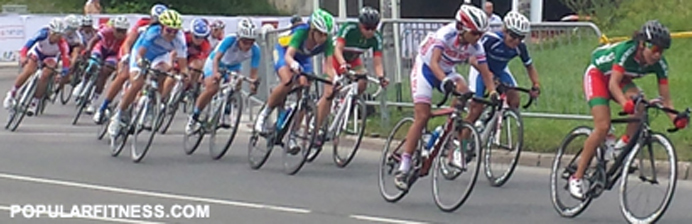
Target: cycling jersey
x,y
232,56
214,41
453,52
356,44
297,39
73,39
617,57
157,48
196,52
108,46
498,55
139,28
87,36
41,49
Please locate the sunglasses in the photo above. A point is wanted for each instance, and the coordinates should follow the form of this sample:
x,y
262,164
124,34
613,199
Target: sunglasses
x,y
247,41
654,48
369,28
171,30
200,37
461,27
516,36
121,30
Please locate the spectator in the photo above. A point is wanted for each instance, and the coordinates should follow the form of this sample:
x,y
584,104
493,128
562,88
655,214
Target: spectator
x,y
92,7
493,19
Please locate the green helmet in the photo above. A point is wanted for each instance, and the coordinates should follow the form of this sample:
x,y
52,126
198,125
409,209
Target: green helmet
x,y
322,21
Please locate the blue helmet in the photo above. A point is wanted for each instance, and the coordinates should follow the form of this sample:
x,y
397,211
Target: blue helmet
x,y
199,28
157,9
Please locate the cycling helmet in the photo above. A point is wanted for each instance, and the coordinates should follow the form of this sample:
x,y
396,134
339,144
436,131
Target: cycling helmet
x,y
218,24
369,17
517,23
56,25
247,29
171,18
472,18
655,33
120,22
71,22
199,28
157,9
322,21
87,20
296,18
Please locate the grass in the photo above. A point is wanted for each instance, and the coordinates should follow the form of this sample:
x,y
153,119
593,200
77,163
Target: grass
x,y
561,68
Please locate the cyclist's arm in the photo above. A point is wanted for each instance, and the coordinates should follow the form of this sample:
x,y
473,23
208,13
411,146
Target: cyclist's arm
x,y
92,42
181,50
663,89
614,84
297,39
533,75
220,50
41,35
328,53
129,41
255,61
377,56
528,63
435,63
341,43
65,54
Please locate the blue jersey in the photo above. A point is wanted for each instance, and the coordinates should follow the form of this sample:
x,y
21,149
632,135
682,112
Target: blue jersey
x,y
498,54
232,55
156,45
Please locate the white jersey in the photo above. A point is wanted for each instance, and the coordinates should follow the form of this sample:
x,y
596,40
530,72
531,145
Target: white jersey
x,y
447,39
73,39
86,37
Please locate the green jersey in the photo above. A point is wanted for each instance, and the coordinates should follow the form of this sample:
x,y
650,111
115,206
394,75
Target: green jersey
x,y
355,43
620,57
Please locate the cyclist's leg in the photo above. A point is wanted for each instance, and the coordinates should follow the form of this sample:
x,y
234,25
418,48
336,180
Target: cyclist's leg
x,y
136,83
196,64
122,75
278,94
324,104
598,96
421,92
106,70
476,85
631,90
165,64
29,68
49,62
513,98
211,86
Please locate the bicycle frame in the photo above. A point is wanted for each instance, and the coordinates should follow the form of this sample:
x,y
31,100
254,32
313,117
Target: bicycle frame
x,y
497,111
351,90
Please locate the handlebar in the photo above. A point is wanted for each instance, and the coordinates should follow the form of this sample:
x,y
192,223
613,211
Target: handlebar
x,y
657,105
502,88
310,77
464,97
235,75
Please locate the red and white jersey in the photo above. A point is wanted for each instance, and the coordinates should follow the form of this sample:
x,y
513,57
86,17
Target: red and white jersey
x,y
108,41
453,52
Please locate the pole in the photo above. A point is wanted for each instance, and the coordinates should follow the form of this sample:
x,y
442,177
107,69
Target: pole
x,y
536,11
360,5
315,4
515,5
342,9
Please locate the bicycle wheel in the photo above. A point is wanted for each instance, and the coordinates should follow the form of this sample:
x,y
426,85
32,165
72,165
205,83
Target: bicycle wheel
x,y
22,107
66,91
146,121
260,146
303,133
470,149
82,100
102,128
117,143
565,204
390,159
235,107
503,148
349,134
648,175
172,105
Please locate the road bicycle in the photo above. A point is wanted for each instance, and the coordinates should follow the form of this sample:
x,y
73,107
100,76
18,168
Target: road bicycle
x,y
436,155
26,95
636,156
83,98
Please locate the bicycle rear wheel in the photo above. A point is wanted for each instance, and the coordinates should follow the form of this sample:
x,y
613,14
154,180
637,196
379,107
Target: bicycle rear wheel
x,y
470,149
562,169
303,133
503,148
350,133
649,173
235,107
390,159
146,121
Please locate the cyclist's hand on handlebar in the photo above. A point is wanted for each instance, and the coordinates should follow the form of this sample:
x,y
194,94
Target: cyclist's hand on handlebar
x,y
217,76
535,91
682,120
628,107
383,81
142,62
344,68
295,67
447,85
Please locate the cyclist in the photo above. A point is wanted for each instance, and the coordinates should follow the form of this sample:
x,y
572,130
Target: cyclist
x,y
353,39
295,51
231,52
434,67
154,45
501,47
105,46
217,32
198,48
123,71
41,51
86,29
609,76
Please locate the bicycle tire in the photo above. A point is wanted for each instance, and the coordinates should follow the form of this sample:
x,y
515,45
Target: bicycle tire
x,y
150,106
237,98
172,105
82,102
388,161
476,140
656,215
498,181
338,160
103,127
22,107
65,93
117,143
559,206
310,110
256,163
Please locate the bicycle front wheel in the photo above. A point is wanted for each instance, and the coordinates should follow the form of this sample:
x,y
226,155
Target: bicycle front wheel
x,y
145,126
349,134
564,165
300,137
654,168
443,172
233,109
503,148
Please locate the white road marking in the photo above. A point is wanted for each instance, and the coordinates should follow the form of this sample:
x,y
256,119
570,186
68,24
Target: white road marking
x,y
62,214
153,194
384,220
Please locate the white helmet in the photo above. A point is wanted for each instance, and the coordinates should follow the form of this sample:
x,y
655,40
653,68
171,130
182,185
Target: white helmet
x,y
72,22
120,22
56,25
517,23
472,18
87,21
246,29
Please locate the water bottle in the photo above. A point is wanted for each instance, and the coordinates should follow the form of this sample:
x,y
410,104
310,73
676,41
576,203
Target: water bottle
x,y
283,114
433,137
426,138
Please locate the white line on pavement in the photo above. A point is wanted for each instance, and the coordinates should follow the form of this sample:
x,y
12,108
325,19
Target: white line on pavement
x,y
384,220
62,214
152,194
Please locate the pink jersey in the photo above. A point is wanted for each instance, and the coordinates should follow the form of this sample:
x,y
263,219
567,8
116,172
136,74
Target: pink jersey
x,y
453,52
107,41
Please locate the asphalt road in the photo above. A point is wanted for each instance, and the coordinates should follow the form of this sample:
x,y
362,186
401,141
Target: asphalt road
x,y
47,161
